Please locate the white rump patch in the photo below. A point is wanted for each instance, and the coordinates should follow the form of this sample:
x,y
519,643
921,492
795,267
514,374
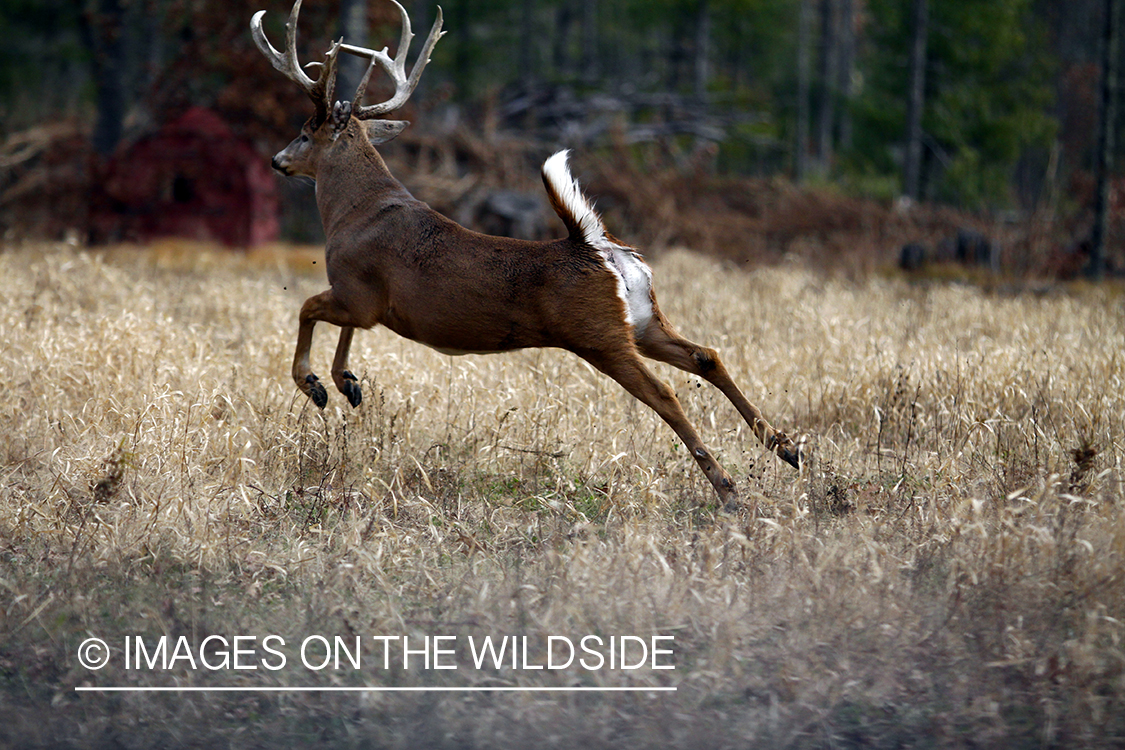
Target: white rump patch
x,y
634,283
634,277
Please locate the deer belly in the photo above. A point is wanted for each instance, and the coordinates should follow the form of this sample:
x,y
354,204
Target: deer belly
x,y
457,352
457,335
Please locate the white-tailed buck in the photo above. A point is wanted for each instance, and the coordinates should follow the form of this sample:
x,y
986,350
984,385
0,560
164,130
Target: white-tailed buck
x,y
392,260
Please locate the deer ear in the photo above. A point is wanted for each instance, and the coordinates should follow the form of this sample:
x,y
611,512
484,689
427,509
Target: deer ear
x,y
381,131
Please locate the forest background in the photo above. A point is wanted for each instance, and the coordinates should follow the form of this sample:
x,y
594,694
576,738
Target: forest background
x,y
987,107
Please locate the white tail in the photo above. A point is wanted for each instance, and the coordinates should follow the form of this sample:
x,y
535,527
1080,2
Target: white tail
x,y
570,204
393,261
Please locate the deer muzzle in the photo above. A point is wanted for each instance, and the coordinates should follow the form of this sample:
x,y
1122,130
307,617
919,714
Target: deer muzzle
x,y
278,164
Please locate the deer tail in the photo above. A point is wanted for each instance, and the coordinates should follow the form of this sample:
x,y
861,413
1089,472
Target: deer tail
x,y
576,212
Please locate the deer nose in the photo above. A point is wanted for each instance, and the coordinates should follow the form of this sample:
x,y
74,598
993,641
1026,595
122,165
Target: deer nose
x,y
277,164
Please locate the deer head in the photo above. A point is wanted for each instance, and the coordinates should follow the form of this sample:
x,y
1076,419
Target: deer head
x,y
332,117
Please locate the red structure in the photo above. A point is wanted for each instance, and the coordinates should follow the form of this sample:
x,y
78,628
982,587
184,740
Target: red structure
x,y
193,178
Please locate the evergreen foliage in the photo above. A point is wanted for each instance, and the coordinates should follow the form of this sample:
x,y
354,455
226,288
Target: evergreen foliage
x,y
998,93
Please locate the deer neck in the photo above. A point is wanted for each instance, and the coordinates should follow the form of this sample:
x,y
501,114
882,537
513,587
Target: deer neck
x,y
353,182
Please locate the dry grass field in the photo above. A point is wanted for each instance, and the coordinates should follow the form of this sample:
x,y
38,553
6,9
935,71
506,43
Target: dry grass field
x,y
949,571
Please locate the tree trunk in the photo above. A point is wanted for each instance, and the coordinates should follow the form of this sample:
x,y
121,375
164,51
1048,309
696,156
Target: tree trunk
x,y
104,31
847,71
563,59
801,155
702,50
459,16
529,42
1106,139
353,27
829,73
590,50
912,169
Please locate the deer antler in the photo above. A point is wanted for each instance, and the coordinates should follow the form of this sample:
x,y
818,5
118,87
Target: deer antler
x,y
396,68
320,90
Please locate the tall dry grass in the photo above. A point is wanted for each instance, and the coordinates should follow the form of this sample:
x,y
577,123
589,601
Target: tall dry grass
x,y
948,572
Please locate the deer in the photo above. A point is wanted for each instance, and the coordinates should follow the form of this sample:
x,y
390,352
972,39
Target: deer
x,y
391,260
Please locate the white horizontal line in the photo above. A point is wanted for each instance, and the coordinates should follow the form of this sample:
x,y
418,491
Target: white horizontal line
x,y
272,689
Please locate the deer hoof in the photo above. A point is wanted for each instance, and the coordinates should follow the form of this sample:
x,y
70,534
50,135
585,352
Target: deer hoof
x,y
316,391
790,454
351,389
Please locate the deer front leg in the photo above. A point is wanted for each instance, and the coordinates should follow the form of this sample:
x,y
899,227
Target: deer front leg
x,y
323,307
344,380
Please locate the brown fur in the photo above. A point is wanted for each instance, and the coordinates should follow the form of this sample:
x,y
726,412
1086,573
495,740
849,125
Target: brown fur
x,y
393,261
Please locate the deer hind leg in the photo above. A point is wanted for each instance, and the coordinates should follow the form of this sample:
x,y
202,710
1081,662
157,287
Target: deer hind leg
x,y
629,370
324,307
661,342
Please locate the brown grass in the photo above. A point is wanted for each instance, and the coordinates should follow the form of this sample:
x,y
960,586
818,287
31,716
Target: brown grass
x,y
950,572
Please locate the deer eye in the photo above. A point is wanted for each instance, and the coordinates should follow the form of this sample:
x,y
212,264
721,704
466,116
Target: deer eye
x,y
304,138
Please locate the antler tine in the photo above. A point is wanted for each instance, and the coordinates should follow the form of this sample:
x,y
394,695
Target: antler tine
x,y
404,41
325,85
287,63
362,87
291,48
276,58
396,68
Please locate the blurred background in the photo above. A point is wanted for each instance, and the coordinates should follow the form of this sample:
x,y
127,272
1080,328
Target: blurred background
x,y
853,133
